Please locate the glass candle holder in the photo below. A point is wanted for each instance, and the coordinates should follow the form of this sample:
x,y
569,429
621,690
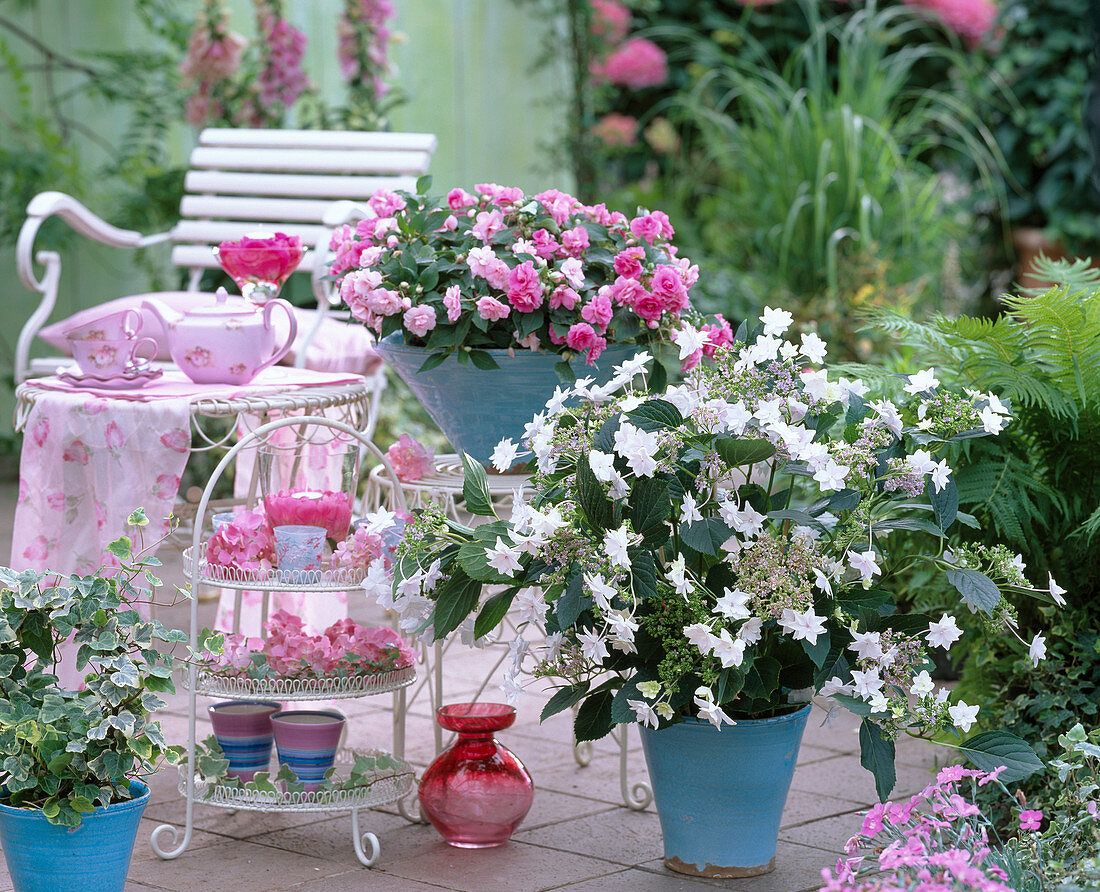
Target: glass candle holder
x,y
292,497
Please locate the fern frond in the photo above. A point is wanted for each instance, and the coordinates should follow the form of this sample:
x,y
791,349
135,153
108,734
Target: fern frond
x,y
1078,275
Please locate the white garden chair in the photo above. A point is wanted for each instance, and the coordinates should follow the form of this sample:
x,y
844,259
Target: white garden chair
x,y
239,181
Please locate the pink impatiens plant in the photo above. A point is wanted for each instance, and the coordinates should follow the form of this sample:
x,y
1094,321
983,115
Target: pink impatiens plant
x,y
501,269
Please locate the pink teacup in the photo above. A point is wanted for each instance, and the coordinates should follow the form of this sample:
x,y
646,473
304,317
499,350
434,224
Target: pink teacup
x,y
113,327
112,358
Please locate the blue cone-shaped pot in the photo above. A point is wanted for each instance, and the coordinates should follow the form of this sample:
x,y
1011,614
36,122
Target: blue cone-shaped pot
x,y
44,857
720,794
476,409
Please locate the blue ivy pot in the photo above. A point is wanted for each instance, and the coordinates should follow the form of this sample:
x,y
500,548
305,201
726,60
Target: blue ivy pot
x,y
477,408
45,857
720,793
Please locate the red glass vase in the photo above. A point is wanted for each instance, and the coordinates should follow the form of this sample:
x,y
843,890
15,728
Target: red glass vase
x,y
477,792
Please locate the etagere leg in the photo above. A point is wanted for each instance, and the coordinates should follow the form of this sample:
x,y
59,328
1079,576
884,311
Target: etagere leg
x,y
364,841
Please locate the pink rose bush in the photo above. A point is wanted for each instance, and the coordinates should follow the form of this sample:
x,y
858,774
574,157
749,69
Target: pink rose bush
x,y
344,649
637,63
246,543
972,20
499,269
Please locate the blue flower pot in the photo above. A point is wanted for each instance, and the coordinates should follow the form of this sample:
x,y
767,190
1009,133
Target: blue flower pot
x,y
720,794
476,409
44,857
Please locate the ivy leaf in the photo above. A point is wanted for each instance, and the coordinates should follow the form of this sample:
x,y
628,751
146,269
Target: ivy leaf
x,y
991,749
121,548
876,754
475,488
977,589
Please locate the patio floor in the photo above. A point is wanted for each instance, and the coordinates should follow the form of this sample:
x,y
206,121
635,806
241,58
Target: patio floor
x,y
578,834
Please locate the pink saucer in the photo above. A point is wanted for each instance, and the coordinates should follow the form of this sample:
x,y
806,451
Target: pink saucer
x,y
111,382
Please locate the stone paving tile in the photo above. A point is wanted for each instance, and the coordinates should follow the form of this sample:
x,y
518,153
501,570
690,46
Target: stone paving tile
x,y
829,834
515,866
844,777
331,840
226,823
364,879
232,864
619,835
636,880
803,806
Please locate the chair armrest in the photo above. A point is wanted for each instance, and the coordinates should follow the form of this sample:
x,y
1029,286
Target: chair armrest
x,y
58,204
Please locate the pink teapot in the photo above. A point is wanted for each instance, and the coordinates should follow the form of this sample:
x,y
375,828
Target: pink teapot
x,y
227,342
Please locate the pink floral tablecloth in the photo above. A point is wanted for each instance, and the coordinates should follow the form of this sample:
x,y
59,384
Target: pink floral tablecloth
x,y
90,457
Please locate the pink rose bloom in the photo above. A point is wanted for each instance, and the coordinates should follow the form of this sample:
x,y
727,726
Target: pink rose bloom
x,y
972,20
410,460
610,20
500,194
40,432
598,213
419,320
564,296
452,300
531,342
598,311
574,241
691,361
668,285
627,292
721,335
637,63
646,227
492,309
386,203
167,486
649,306
38,550
573,270
76,452
488,224
385,302
666,225
485,263
525,287
545,246
628,263
581,336
450,224
688,270
559,205
497,274
269,259
615,130
457,199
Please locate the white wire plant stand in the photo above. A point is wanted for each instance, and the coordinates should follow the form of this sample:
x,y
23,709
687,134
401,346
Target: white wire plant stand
x,y
387,787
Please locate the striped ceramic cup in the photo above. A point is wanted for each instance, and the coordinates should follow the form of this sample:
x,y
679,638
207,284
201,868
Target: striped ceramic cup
x,y
243,730
306,741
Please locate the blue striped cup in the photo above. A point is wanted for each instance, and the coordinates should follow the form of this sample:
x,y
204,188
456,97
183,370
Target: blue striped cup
x,y
244,733
306,741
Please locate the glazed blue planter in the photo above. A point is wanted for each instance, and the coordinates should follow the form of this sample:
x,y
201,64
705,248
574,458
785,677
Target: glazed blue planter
x,y
476,409
44,857
720,794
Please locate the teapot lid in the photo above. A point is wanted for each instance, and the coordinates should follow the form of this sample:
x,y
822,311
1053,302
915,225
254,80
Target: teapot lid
x,y
224,305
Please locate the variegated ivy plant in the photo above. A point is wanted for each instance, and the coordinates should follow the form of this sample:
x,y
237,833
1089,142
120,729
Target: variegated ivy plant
x,y
64,752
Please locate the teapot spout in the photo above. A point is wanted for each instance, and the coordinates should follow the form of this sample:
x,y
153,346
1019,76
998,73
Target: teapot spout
x,y
167,317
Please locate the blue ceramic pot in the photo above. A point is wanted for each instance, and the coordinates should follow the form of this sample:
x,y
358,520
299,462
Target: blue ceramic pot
x,y
720,794
44,857
476,409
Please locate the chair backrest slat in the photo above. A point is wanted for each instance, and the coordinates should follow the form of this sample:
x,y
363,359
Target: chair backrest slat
x,y
333,187
243,182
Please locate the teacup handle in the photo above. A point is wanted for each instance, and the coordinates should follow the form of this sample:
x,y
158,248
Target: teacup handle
x,y
131,322
141,364
282,351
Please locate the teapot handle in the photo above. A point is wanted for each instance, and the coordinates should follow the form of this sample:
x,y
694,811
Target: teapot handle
x,y
281,351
